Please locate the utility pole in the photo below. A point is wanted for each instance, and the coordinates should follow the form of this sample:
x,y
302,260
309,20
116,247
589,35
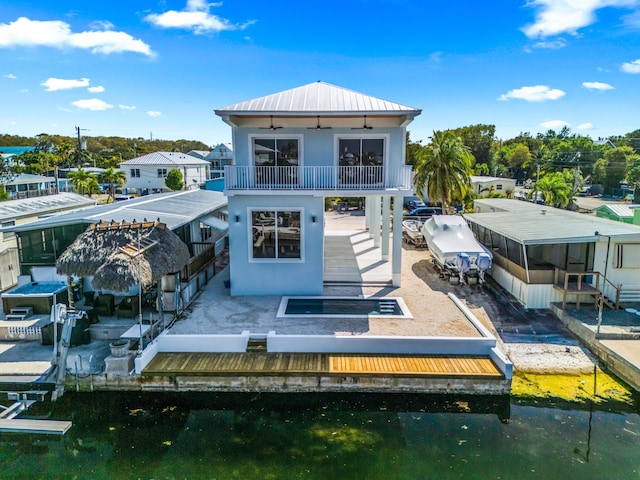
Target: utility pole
x,y
80,147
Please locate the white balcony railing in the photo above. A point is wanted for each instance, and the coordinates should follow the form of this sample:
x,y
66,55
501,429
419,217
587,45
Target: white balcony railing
x,y
317,178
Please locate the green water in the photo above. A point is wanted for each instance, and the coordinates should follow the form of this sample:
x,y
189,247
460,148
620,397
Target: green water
x,y
160,436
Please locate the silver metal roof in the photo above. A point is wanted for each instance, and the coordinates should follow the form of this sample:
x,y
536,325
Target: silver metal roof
x,y
165,158
507,204
541,224
619,209
174,209
316,98
30,207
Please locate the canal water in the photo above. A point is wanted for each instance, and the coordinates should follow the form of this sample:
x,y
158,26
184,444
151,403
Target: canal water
x,y
129,435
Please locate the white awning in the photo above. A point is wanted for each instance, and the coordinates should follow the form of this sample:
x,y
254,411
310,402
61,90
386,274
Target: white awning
x,y
215,222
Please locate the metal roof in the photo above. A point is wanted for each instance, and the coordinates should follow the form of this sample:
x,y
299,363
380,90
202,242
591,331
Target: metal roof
x,y
316,98
177,159
540,224
174,209
29,207
24,178
507,204
618,209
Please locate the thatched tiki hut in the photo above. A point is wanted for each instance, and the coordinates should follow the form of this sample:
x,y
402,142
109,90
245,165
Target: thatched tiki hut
x,y
121,255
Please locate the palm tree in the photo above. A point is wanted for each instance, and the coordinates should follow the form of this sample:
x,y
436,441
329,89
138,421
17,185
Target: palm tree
x,y
444,169
113,177
554,189
83,182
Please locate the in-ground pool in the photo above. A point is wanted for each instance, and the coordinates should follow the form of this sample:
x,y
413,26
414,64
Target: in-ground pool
x,y
343,307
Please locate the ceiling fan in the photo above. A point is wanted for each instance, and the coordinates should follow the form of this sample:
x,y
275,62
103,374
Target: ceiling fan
x,y
318,127
270,127
365,127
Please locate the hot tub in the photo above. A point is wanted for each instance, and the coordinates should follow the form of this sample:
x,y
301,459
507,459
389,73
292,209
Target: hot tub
x,y
41,296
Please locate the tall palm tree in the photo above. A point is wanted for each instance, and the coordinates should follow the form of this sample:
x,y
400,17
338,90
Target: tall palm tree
x,y
113,177
554,189
444,169
83,182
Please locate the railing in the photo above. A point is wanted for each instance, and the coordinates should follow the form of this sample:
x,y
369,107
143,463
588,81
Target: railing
x,y
317,178
582,285
203,253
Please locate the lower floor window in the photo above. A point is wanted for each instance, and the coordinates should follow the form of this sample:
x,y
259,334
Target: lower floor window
x,y
276,234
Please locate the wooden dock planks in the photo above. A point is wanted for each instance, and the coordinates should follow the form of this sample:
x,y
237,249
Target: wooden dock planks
x,y
205,364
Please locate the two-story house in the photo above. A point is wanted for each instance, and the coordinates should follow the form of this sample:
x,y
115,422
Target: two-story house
x,y
147,174
294,148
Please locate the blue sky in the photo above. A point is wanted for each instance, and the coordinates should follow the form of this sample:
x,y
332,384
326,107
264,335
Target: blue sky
x,y
159,68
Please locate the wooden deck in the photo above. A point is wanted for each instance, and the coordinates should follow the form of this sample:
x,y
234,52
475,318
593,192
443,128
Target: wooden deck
x,y
284,364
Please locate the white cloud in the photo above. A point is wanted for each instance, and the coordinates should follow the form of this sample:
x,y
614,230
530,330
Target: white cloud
x,y
98,89
554,124
57,34
54,84
153,113
92,104
10,76
556,44
597,86
555,17
126,107
195,17
537,93
631,67
585,126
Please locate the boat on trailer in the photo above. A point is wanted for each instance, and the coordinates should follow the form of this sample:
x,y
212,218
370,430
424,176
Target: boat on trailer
x,y
412,233
456,253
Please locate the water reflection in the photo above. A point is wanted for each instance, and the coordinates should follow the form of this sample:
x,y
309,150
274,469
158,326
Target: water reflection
x,y
128,435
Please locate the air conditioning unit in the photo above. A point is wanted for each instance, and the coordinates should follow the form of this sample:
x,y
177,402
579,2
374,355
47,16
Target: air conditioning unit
x,y
169,301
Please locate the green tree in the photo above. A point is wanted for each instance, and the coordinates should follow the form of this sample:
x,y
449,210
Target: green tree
x,y
113,177
554,189
445,169
84,183
480,139
174,180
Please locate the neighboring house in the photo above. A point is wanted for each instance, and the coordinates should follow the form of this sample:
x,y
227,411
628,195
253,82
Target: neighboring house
x,y
147,174
220,157
26,185
291,150
198,217
201,154
7,154
534,246
483,185
19,212
620,212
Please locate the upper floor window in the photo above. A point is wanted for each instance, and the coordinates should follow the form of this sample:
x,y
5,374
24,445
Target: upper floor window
x,y
360,160
162,172
135,173
276,152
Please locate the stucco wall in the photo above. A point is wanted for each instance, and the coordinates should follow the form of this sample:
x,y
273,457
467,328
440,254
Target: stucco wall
x,y
276,276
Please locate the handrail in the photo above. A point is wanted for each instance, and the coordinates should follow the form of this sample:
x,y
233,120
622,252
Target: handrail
x,y
564,285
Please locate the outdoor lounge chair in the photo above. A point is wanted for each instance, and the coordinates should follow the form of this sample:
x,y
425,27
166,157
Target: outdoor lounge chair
x,y
129,307
104,304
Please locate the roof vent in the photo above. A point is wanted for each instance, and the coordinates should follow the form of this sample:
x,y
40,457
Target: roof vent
x,y
543,211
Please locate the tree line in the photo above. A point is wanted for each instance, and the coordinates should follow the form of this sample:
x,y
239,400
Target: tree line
x,y
53,152
555,164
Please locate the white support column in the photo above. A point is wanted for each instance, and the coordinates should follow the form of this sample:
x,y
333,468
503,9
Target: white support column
x,y
386,218
368,213
375,220
396,254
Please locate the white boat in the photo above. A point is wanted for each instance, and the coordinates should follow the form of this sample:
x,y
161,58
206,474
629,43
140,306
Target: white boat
x,y
455,251
412,233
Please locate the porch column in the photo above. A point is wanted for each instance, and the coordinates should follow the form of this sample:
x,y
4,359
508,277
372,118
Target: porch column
x,y
386,213
375,221
396,254
368,212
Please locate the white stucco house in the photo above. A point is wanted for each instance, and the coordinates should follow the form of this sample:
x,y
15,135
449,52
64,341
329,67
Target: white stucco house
x,y
147,173
291,150
484,185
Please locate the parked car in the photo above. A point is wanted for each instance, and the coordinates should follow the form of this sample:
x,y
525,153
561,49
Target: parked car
x,y
422,213
411,203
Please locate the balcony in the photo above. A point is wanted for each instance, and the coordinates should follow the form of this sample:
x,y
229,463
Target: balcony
x,y
348,178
